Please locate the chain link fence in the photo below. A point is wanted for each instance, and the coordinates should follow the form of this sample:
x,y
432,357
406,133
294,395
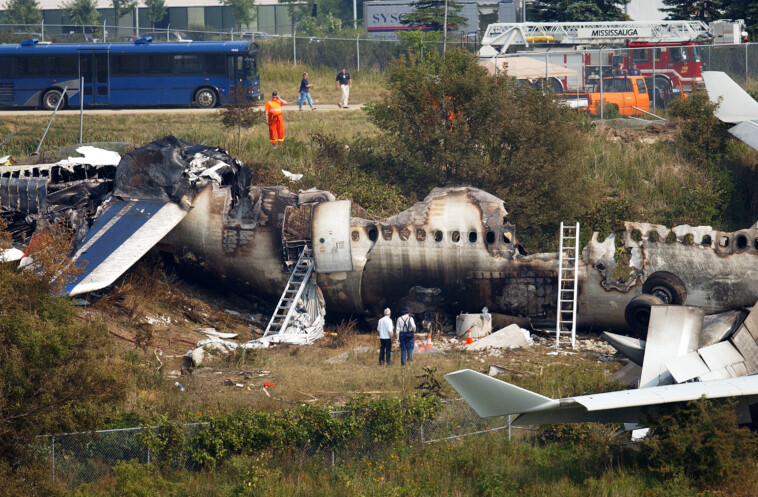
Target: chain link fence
x,y
85,457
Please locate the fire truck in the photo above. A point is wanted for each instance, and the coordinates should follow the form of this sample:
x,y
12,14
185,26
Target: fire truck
x,y
667,52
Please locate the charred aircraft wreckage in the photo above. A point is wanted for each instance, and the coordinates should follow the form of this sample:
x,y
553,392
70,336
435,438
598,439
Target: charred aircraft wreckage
x,y
454,251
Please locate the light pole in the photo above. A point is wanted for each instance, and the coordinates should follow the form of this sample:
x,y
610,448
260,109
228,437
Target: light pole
x,y
444,32
355,15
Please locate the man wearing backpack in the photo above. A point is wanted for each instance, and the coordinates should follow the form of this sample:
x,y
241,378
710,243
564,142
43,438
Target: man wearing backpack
x,y
406,327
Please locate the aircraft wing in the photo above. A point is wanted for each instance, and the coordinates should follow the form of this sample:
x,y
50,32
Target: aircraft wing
x,y
491,397
735,106
120,236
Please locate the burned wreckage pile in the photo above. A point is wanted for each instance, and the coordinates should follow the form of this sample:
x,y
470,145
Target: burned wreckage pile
x,y
453,252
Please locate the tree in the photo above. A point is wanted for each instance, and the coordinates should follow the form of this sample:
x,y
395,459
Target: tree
x,y
242,10
156,11
240,113
81,12
577,10
56,371
22,12
452,123
702,10
430,14
121,8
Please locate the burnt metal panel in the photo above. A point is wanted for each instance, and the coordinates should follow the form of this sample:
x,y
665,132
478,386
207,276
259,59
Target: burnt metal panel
x,y
720,355
674,331
687,367
747,346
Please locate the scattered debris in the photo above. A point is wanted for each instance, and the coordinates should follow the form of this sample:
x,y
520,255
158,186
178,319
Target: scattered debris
x,y
350,353
510,337
292,176
211,332
479,325
180,386
81,302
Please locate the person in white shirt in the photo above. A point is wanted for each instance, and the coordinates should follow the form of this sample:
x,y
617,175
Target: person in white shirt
x,y
385,338
406,327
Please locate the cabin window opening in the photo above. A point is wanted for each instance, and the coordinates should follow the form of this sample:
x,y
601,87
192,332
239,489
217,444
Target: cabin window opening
x,y
373,234
670,238
455,236
741,242
420,234
321,240
387,233
438,236
724,241
490,238
355,235
472,236
755,244
706,241
405,233
653,237
689,239
506,237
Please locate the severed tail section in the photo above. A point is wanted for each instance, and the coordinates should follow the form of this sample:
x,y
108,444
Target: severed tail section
x,y
491,397
735,104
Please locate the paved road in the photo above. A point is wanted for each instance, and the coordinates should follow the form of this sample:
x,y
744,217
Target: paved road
x,y
158,110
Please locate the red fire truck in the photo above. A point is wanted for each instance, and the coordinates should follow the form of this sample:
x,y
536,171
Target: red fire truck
x,y
666,52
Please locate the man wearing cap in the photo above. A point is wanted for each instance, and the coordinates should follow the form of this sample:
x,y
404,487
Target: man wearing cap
x,y
385,338
406,327
343,84
275,120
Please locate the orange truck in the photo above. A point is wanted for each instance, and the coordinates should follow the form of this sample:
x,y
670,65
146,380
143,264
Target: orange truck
x,y
624,92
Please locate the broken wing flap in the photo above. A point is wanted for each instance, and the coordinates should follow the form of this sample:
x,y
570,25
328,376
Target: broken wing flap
x,y
491,397
735,105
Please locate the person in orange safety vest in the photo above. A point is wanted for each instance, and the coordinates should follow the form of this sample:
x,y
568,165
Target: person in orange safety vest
x,y
275,120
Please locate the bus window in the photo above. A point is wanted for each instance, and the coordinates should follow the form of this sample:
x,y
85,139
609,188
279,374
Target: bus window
x,y
31,66
188,64
157,64
251,70
6,67
214,66
63,66
125,65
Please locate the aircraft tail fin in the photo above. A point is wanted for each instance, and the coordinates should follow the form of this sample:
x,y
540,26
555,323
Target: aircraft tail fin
x,y
491,397
736,105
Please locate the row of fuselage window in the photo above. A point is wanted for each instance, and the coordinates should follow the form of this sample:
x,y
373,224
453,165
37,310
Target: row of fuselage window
x,y
437,235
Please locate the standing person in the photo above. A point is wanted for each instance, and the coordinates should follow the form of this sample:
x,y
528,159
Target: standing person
x,y
406,327
619,70
634,71
384,327
343,83
275,119
305,92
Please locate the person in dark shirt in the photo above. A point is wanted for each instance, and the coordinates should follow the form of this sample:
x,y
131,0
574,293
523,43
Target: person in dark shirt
x,y
343,83
305,93
634,71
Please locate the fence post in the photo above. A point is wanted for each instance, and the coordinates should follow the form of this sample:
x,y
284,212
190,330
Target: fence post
x,y
746,75
294,44
509,427
52,439
358,50
421,431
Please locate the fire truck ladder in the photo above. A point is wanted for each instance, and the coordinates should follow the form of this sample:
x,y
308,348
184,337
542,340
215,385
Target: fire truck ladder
x,y
500,36
299,277
568,272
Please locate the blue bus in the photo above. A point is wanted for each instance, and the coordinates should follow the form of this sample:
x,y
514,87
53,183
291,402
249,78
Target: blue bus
x,y
141,73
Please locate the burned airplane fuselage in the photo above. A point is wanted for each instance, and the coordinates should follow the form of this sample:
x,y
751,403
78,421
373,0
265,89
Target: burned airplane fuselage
x,y
456,244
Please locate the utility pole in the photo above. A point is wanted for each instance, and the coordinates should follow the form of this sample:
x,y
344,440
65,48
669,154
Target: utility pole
x,y
444,32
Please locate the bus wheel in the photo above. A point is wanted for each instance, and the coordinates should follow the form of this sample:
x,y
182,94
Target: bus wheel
x,y
51,98
206,98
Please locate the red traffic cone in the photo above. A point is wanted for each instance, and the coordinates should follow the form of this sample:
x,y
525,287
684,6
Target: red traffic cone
x,y
429,341
469,340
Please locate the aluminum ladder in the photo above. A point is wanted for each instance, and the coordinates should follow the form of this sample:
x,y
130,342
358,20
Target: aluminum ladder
x,y
299,277
568,272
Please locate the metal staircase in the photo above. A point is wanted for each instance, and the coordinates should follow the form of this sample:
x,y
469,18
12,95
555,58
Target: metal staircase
x,y
568,264
299,277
